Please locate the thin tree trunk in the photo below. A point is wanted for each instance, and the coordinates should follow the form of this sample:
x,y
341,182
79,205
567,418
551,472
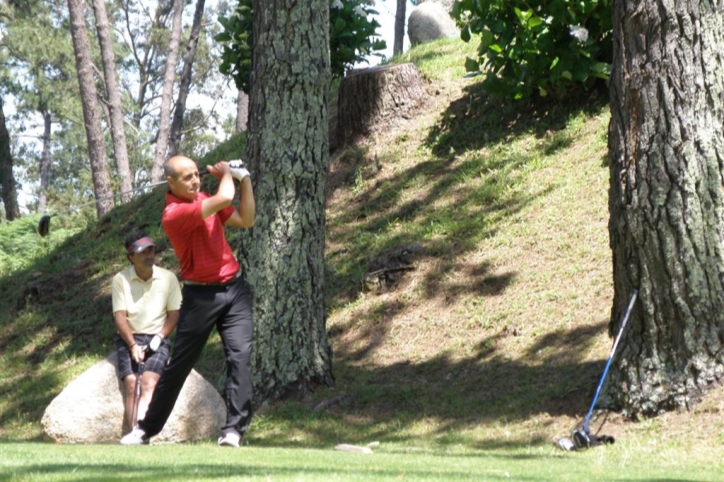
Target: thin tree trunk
x,y
288,153
113,94
167,93
666,202
186,77
45,164
7,179
91,115
242,111
399,27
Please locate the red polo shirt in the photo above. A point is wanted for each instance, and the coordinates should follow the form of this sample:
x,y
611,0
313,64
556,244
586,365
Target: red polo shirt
x,y
200,244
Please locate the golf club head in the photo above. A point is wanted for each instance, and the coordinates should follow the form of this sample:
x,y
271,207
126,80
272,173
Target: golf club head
x,y
581,439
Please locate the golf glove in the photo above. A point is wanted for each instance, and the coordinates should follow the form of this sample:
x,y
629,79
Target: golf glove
x,y
155,343
238,169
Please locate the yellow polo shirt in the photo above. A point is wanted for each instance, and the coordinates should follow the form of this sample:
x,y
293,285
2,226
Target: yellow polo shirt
x,y
146,302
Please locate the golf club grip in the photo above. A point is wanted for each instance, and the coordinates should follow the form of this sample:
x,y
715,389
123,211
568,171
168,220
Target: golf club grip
x,y
610,359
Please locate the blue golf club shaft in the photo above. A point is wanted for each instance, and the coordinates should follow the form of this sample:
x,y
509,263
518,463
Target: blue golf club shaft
x,y
610,358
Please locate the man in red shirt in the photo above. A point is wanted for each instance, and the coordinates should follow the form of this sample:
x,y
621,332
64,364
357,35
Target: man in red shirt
x,y
214,293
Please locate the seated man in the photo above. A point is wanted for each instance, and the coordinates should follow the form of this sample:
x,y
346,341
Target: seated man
x,y
146,302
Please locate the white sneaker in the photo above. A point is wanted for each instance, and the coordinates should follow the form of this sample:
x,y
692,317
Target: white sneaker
x,y
137,436
230,439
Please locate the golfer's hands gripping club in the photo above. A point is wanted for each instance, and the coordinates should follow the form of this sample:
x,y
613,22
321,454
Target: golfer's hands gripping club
x,y
155,343
138,353
238,169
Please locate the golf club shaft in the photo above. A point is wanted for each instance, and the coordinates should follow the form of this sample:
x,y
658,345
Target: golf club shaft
x,y
610,358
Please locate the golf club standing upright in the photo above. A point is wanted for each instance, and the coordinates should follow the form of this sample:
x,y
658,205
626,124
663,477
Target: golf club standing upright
x,y
137,392
582,437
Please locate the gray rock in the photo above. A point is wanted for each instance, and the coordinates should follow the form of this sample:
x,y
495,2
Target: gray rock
x,y
90,409
429,21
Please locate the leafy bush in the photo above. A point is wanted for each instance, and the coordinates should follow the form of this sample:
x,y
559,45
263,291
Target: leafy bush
x,y
351,38
541,46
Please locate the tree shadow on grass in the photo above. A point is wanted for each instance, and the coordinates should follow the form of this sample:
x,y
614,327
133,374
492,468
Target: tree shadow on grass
x,y
474,120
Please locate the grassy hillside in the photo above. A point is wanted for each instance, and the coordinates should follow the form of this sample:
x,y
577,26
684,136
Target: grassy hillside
x,y
492,334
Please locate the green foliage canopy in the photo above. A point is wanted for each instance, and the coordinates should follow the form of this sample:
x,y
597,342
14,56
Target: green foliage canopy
x,y
351,38
544,46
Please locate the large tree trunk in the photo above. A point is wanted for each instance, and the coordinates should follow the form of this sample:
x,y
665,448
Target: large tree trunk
x,y
667,202
7,179
91,114
288,154
45,163
167,93
118,133
186,77
400,16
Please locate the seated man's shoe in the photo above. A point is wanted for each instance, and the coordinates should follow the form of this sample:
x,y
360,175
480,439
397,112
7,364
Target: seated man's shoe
x,y
230,439
135,437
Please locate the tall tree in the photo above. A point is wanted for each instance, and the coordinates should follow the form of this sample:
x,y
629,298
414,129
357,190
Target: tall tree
x,y
7,179
45,163
91,115
167,93
400,16
287,147
186,77
666,143
113,94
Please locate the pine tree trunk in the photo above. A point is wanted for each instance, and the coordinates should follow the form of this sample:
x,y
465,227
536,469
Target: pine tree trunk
x,y
186,77
45,164
118,133
288,154
400,16
167,93
667,202
7,179
91,114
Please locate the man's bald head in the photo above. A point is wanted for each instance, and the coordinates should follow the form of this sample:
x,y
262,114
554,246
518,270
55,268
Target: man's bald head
x,y
175,164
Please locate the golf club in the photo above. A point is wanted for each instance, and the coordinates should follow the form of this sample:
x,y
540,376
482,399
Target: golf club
x,y
137,393
43,227
582,437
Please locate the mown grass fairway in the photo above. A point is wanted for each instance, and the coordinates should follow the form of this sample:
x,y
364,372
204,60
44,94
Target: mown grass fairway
x,y
50,463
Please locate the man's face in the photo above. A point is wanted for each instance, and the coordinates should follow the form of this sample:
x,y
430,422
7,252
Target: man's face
x,y
144,260
186,183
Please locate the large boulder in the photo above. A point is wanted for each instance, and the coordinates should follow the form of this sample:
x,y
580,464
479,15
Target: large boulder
x,y
90,409
429,21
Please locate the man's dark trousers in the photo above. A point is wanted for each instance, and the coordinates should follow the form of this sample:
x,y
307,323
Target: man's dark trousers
x,y
203,307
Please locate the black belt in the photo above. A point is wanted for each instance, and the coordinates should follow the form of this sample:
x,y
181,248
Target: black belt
x,y
215,283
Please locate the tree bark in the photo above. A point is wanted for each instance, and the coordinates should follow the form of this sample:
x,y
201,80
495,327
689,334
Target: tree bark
x,y
666,203
186,77
371,98
400,15
288,153
118,133
167,93
45,163
7,178
91,115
